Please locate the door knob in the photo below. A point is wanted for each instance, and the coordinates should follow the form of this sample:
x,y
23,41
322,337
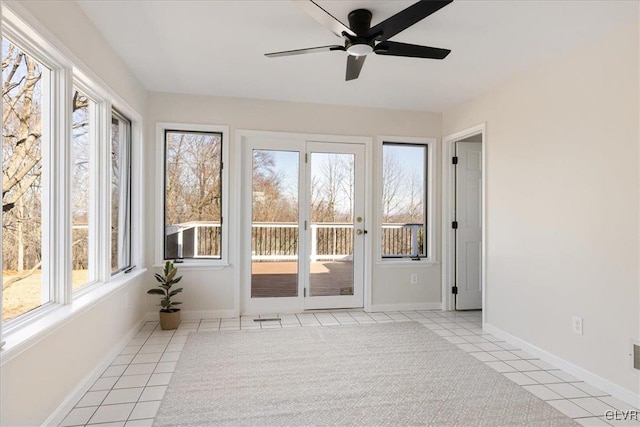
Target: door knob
x,y
359,231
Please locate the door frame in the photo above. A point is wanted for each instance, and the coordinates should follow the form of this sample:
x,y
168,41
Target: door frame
x,y
448,207
243,267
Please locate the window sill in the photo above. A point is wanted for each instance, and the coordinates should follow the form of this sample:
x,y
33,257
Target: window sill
x,y
22,336
407,262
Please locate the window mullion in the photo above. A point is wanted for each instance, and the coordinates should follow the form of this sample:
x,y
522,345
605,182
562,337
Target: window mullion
x,y
103,192
94,190
47,222
123,194
62,86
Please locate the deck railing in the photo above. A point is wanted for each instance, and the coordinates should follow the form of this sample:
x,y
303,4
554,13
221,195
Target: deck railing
x,y
278,241
403,240
196,239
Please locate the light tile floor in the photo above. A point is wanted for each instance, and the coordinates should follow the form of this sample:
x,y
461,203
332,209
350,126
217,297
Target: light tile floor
x,y
129,391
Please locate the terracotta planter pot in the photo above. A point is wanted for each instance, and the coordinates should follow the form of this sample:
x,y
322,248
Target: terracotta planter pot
x,y
169,321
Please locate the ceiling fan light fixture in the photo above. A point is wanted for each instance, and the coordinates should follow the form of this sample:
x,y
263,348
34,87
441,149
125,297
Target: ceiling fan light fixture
x,y
360,38
360,49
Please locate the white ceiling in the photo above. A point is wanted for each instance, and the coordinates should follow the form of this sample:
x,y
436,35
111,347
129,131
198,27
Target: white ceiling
x,y
217,47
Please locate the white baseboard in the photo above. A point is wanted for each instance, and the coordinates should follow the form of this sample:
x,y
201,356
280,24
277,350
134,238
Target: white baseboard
x,y
196,315
74,397
595,380
405,307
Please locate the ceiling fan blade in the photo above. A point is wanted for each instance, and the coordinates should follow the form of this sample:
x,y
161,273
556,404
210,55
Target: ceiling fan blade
x,y
324,18
406,18
410,50
303,51
354,65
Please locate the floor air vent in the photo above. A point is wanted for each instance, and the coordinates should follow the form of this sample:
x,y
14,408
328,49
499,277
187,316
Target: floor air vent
x,y
270,319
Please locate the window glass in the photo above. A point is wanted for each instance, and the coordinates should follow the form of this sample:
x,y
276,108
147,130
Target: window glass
x,y
193,190
82,199
61,191
120,193
24,184
404,214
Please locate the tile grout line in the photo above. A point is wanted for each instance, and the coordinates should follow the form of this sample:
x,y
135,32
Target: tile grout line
x,y
459,326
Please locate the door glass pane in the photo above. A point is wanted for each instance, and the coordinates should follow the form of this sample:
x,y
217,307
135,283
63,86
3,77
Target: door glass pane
x,y
274,224
331,228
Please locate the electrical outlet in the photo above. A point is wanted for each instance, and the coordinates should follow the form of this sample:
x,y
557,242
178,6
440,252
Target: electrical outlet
x,y
414,279
577,325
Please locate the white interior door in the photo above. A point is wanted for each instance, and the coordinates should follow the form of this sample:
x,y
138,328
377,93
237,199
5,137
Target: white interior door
x,y
469,232
303,225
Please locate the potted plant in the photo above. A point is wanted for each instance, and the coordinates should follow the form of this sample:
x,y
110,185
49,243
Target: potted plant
x,y
169,315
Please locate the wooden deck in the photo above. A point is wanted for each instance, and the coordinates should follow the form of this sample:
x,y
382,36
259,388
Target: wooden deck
x,y
280,279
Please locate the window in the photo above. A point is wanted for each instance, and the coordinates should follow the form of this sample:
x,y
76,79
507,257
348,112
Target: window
x,y
120,193
25,139
58,180
193,194
404,200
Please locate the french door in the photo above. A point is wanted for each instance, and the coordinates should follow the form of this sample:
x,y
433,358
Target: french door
x,y
304,227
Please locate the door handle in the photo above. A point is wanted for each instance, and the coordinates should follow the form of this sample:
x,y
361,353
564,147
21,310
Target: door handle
x,y
360,231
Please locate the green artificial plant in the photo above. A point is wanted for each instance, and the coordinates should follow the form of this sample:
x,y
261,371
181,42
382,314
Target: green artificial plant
x,y
167,279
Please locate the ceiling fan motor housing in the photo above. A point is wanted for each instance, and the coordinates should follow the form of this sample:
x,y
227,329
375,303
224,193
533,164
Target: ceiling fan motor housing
x,y
359,23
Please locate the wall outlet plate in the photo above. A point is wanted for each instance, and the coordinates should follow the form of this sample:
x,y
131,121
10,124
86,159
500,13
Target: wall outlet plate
x,y
414,279
576,325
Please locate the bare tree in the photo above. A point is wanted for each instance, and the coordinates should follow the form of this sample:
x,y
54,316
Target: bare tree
x,y
22,160
21,126
272,200
80,183
414,206
393,177
332,188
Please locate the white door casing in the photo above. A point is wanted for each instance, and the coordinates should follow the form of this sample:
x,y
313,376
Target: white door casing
x,y
468,241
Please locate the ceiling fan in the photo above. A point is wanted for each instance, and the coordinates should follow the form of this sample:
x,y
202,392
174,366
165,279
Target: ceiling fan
x,y
360,39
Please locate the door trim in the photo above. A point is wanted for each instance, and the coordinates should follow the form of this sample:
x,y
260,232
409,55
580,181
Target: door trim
x,y
241,135
448,203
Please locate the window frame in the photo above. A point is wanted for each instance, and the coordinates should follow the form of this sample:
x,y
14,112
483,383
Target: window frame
x,y
429,208
95,207
126,215
54,133
161,129
63,79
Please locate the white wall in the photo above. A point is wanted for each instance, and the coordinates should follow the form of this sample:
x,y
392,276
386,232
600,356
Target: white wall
x,y
39,379
213,290
65,21
42,376
562,204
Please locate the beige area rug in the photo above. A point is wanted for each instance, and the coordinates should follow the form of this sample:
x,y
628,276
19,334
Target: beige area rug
x,y
394,374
